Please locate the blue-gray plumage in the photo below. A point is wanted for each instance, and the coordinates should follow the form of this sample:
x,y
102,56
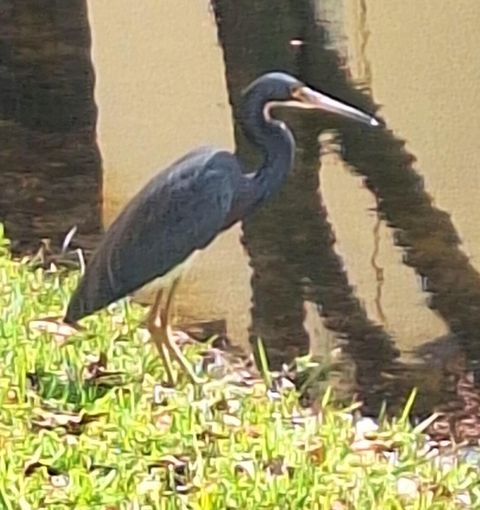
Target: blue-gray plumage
x,y
184,207
180,210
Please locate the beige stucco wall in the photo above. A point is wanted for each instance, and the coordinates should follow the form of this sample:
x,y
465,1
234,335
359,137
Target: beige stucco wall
x,y
160,88
161,91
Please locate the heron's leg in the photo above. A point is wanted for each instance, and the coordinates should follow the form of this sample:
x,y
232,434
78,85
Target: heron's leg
x,y
156,329
166,313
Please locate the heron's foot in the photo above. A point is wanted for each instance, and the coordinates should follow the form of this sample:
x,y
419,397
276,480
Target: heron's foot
x,y
161,333
180,358
167,347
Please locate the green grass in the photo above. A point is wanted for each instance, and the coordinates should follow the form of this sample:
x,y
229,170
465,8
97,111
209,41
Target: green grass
x,y
72,436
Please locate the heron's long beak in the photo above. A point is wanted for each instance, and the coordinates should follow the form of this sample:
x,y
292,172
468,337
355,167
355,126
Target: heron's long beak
x,y
305,97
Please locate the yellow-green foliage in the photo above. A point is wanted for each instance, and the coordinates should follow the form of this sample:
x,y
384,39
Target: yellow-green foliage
x,y
72,436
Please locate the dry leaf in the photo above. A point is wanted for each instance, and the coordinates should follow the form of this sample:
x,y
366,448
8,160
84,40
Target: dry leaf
x,y
377,446
316,453
149,485
161,394
73,423
365,427
59,481
169,461
207,434
96,371
230,405
407,487
253,430
231,421
55,326
185,488
464,499
425,424
276,466
246,467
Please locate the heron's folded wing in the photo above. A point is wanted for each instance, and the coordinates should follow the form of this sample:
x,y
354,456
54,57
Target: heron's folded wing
x,y
179,211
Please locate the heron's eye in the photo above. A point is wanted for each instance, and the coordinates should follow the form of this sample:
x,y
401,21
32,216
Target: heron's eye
x,y
294,91
297,92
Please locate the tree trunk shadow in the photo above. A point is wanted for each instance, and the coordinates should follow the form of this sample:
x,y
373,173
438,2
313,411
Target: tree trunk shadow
x,y
50,175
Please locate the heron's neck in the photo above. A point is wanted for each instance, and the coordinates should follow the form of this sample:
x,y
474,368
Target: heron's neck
x,y
276,143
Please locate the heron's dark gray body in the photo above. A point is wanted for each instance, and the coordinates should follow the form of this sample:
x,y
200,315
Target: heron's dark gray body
x,y
184,207
179,211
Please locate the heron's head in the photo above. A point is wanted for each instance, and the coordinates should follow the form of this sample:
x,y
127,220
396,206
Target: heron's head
x,y
282,89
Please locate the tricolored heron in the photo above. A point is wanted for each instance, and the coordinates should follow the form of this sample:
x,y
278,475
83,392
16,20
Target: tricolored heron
x,y
184,207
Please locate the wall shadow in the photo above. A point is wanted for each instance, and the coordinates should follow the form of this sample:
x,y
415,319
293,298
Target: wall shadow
x,y
50,167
